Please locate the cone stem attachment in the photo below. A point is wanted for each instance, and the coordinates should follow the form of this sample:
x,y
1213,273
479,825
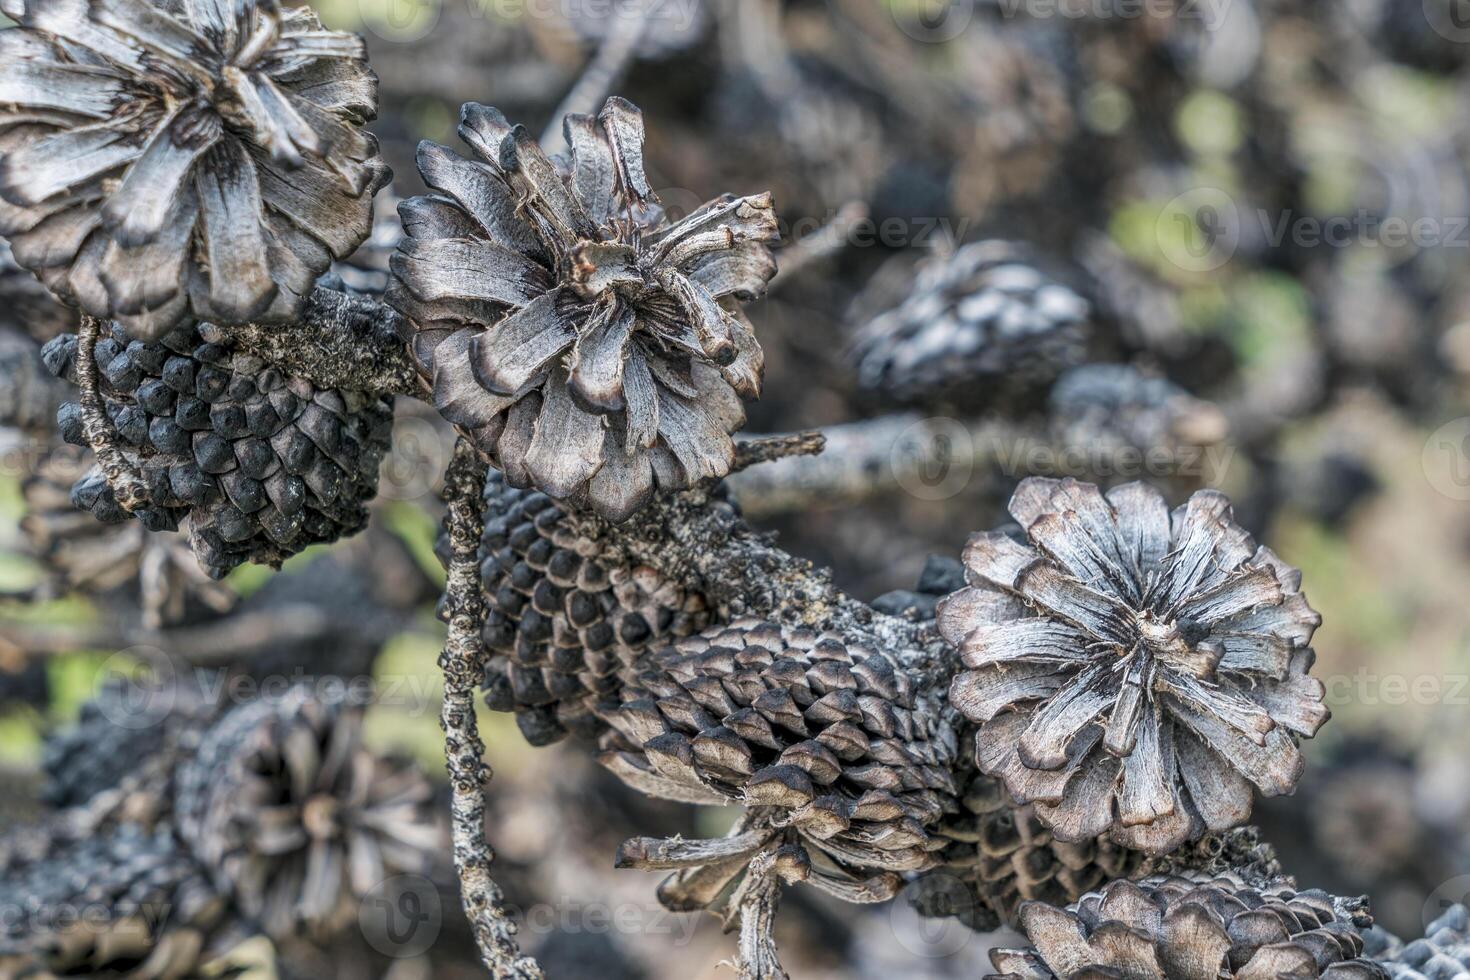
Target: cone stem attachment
x,y
124,481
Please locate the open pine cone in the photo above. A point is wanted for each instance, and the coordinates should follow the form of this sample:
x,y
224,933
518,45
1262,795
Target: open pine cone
x,y
593,349
163,161
1133,671
821,738
1192,928
296,819
260,463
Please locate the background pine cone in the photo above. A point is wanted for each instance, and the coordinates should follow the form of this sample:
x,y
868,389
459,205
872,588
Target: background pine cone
x,y
1443,953
160,163
148,910
590,347
980,326
1133,671
563,624
25,305
1193,928
821,738
261,464
296,819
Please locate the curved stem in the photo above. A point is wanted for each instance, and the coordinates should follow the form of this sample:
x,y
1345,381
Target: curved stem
x,y
463,666
122,478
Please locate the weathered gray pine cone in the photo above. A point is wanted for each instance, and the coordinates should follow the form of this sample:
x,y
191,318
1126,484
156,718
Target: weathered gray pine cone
x,y
822,739
1107,410
296,820
161,161
25,305
1193,928
978,327
1442,954
148,911
1133,671
80,554
563,626
594,350
261,464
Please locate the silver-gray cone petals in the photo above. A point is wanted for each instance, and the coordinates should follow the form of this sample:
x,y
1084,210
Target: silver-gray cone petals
x,y
1134,671
595,349
162,162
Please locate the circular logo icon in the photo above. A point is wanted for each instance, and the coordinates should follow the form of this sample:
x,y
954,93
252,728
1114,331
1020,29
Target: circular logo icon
x,y
419,453
400,21
933,459
1199,230
1446,459
932,936
933,21
1454,892
401,916
141,687
1449,18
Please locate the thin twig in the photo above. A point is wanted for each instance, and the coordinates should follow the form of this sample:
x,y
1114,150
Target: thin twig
x,y
126,485
463,665
603,72
767,449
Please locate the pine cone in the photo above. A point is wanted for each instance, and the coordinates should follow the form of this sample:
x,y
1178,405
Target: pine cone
x,y
262,465
1133,671
1443,953
591,348
147,911
980,327
563,624
25,305
821,738
82,555
296,819
1107,409
1192,928
161,163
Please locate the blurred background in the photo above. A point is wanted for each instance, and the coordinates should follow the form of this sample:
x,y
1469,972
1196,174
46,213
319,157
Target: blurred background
x,y
1200,242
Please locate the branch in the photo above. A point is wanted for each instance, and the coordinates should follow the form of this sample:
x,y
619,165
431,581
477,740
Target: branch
x,y
343,341
122,478
873,457
768,449
603,72
463,665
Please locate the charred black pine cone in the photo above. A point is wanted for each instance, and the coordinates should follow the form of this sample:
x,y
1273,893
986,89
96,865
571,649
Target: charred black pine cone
x,y
979,326
261,464
147,911
1133,671
563,624
594,350
162,162
1193,928
822,739
1443,953
296,819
